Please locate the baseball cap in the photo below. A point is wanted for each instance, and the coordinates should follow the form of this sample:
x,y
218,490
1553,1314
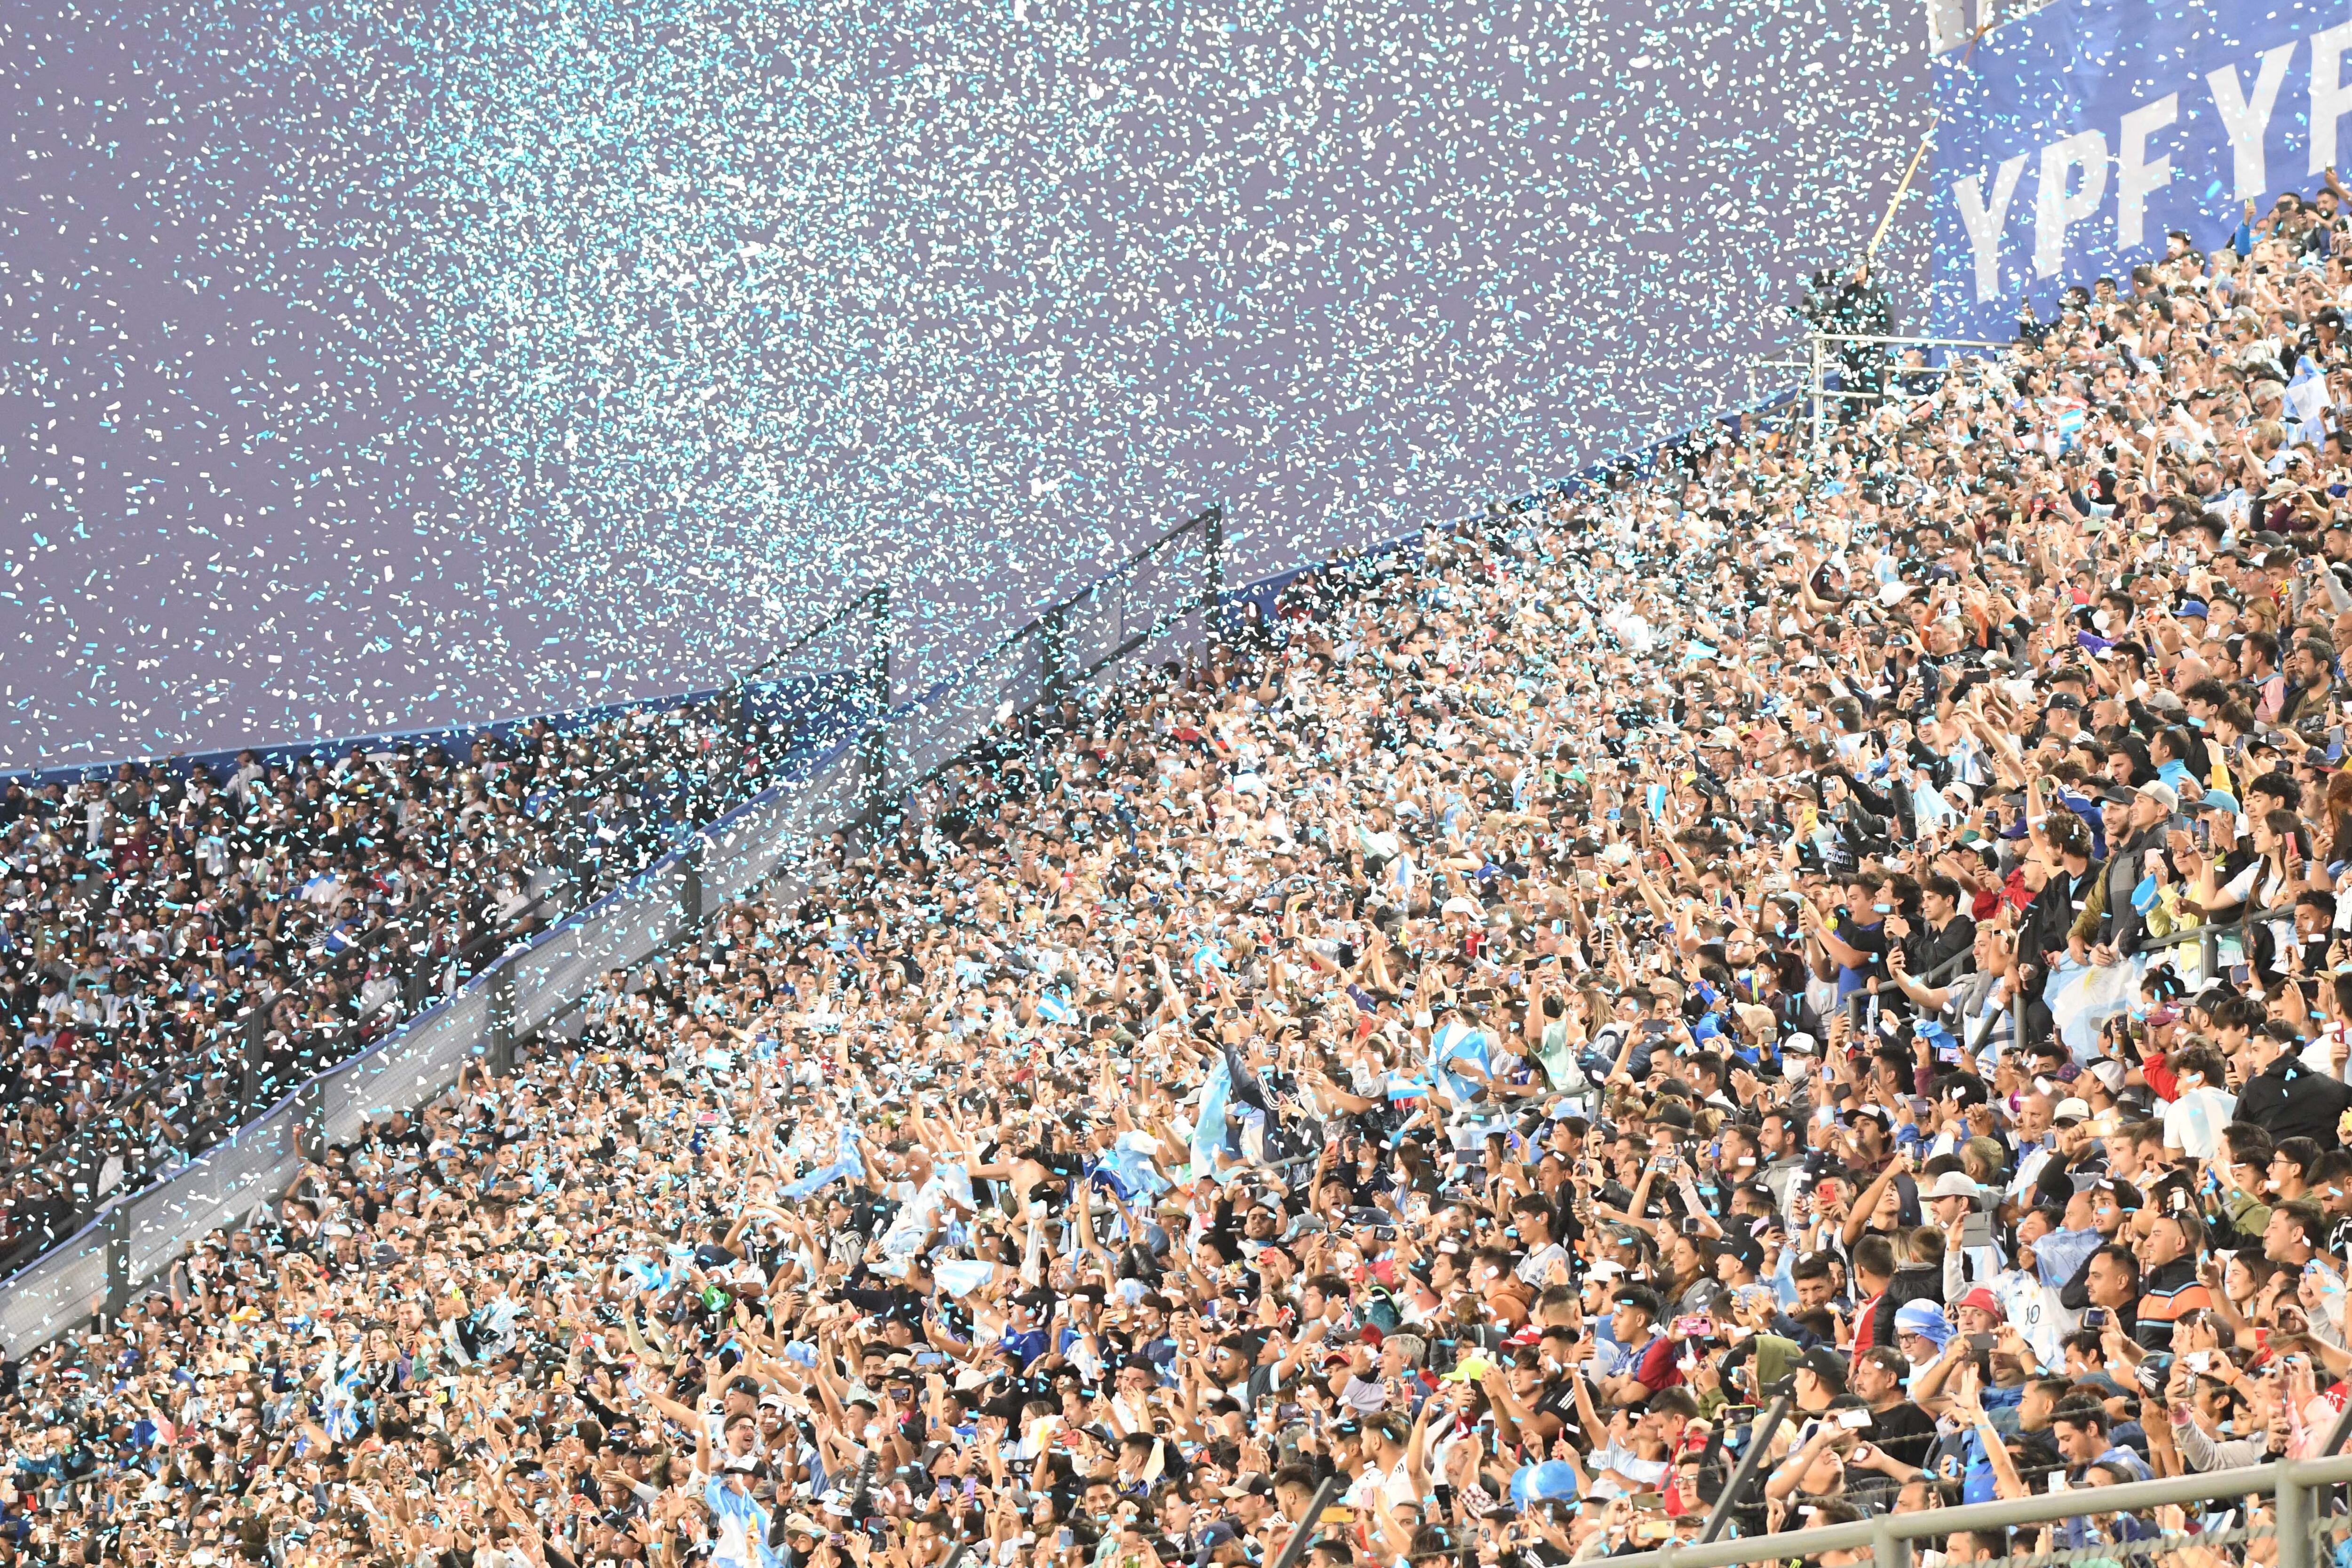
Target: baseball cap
x,y
1983,1300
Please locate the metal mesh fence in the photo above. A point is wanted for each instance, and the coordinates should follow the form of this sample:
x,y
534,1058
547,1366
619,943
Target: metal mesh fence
x,y
1114,620
942,722
832,797
59,1291
743,856
625,930
1176,641
407,1070
251,1167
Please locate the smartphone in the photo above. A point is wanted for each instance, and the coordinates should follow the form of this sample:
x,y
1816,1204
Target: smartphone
x,y
2094,1317
1975,1230
1063,1538
1696,1326
1853,1420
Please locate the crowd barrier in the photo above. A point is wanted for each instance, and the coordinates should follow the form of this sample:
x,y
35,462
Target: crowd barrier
x,y
2301,1531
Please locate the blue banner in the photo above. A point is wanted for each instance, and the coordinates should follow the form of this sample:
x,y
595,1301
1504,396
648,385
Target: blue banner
x,y
2072,141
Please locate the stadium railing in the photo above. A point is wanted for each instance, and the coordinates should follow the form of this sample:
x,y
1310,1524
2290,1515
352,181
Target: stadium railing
x,y
1160,603
2302,1528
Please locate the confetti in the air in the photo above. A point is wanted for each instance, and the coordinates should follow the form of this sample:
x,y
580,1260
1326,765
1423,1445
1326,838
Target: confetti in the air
x,y
374,367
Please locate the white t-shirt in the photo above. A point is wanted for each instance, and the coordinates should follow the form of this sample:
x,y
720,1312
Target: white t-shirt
x,y
2194,1122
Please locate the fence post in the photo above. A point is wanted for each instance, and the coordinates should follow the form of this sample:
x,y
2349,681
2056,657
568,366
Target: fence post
x,y
1888,1549
874,746
118,1262
311,1121
1760,1433
2292,1514
257,1035
502,1016
1053,638
690,884
1820,386
1213,614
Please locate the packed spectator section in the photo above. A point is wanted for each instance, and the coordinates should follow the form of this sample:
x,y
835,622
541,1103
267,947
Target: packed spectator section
x,y
1854,926
183,943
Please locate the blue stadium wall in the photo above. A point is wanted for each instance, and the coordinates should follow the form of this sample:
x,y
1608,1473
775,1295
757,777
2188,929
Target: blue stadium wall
x,y
2074,136
371,367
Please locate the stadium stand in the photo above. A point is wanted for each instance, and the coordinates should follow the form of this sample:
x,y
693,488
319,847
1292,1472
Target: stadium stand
x,y
1855,932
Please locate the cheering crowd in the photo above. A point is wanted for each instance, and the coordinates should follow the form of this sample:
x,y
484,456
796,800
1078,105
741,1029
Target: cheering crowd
x,y
180,946
1857,927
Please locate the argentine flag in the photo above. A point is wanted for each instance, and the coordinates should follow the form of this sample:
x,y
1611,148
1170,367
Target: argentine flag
x,y
846,1162
1209,1130
2069,426
1127,1166
1456,1041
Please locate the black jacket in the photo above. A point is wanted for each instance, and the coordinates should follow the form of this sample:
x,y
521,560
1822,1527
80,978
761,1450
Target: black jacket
x,y
2287,1099
2127,865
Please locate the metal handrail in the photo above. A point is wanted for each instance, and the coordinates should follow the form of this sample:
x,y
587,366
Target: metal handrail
x,y
1920,342
855,604
2208,934
1051,627
1824,347
1885,1535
